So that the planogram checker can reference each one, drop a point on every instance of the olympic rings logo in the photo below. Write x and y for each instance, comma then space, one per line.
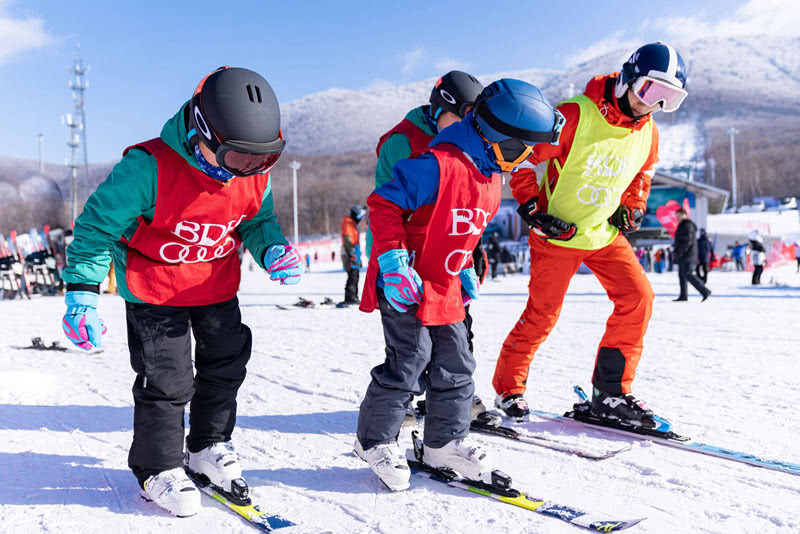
464, 259
597, 196
180, 253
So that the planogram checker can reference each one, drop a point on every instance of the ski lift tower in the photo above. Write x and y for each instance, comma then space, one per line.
78, 85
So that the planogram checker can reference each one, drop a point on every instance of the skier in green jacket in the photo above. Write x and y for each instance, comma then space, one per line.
173, 213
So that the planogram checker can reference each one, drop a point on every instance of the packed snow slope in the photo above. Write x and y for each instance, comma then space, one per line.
725, 371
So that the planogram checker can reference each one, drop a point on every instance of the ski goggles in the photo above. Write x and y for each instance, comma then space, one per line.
241, 158
652, 91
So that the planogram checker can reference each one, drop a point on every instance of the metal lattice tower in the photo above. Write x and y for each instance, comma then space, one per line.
78, 85
75, 126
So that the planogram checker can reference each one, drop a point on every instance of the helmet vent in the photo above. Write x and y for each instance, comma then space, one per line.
255, 96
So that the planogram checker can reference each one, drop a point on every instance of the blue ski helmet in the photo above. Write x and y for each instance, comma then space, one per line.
358, 212
512, 116
656, 60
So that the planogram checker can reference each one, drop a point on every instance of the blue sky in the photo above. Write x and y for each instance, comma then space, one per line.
147, 56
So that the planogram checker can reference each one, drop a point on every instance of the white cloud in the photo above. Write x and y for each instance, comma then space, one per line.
446, 64
18, 35
379, 83
412, 60
420, 61
615, 41
755, 17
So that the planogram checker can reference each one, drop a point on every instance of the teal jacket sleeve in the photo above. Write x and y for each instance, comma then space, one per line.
394, 149
263, 230
128, 192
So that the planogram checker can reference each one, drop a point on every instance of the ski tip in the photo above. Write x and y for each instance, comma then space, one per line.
614, 526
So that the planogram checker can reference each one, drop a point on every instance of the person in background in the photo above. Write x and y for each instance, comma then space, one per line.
686, 256
658, 258
494, 253
703, 256
758, 256
797, 255
351, 253
737, 254
308, 262
182, 203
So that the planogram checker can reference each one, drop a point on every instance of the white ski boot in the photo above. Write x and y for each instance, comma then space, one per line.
219, 463
462, 456
173, 491
388, 462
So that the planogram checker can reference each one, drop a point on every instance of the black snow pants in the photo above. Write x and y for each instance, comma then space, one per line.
159, 340
757, 271
431, 359
351, 286
686, 274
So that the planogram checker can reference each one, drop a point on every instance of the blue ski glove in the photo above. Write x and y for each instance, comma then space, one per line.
81, 324
469, 285
402, 286
283, 263
356, 257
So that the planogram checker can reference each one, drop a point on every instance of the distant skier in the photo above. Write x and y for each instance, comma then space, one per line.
758, 256
686, 256
425, 221
797, 254
737, 253
704, 251
183, 202
351, 252
494, 253
595, 189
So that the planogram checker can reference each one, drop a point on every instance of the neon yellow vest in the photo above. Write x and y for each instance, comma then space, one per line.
601, 164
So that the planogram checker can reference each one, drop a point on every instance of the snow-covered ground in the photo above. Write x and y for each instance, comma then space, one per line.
726, 371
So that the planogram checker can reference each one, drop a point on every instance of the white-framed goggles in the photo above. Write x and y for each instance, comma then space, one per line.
652, 91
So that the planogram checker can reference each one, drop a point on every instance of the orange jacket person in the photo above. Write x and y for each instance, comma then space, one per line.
595, 187
351, 253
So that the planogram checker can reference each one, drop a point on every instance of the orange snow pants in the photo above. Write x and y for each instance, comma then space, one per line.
627, 286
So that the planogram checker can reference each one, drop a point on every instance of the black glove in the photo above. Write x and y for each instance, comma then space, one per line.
627, 219
546, 225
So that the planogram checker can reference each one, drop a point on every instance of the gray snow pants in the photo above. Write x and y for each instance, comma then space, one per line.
419, 358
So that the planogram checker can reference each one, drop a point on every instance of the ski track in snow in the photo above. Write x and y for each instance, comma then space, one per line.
725, 371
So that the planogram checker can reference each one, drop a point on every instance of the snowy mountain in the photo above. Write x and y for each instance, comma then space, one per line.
726, 75
749, 82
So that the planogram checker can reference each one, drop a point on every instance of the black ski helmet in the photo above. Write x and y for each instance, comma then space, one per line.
235, 110
455, 92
